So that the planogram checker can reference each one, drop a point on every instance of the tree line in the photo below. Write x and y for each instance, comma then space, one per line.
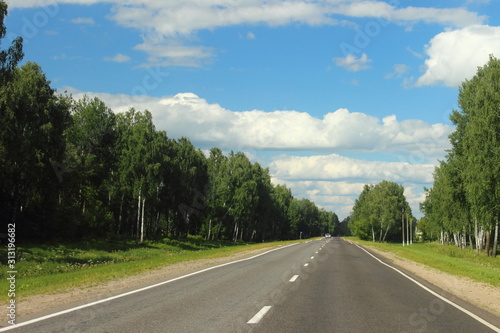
463, 205
381, 213
73, 168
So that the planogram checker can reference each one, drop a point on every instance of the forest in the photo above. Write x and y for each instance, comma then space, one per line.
463, 205
73, 169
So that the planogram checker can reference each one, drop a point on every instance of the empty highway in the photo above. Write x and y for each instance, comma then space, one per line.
327, 285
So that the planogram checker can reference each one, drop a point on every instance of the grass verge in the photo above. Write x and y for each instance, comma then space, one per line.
49, 269
446, 258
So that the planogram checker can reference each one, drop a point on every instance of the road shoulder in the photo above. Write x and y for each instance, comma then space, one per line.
479, 294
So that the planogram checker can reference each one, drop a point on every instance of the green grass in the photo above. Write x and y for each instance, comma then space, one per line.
49, 269
446, 258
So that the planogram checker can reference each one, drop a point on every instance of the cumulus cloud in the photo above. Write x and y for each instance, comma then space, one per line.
351, 63
334, 167
186, 114
454, 56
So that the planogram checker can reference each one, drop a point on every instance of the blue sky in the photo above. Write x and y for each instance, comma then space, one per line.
329, 94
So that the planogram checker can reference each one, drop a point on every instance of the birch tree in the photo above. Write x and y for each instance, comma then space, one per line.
479, 100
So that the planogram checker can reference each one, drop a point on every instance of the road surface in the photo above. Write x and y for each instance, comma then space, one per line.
328, 285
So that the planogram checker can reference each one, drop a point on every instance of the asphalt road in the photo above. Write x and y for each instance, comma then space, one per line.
328, 285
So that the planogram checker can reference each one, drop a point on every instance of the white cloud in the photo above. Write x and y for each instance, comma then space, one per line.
171, 52
83, 20
457, 17
118, 58
455, 55
162, 23
334, 167
174, 17
351, 63
186, 114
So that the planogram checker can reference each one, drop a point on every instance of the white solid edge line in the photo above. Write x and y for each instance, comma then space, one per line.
294, 278
479, 319
258, 317
7, 328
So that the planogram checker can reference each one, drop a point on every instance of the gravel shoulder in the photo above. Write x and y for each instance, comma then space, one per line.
484, 296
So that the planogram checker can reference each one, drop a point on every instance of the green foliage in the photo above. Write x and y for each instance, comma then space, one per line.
32, 122
377, 213
13, 55
465, 198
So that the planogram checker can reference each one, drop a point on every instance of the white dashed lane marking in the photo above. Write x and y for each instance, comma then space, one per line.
258, 317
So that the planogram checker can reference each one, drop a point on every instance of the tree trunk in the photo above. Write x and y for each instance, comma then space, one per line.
138, 227
120, 216
403, 226
495, 241
253, 235
479, 238
235, 232
142, 220
407, 230
373, 234
488, 240
209, 229
456, 239
411, 233
386, 231
218, 229
476, 234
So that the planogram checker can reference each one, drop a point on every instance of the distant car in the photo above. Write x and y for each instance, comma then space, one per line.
327, 235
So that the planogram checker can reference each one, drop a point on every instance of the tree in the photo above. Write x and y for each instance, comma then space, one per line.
91, 157
140, 151
361, 221
189, 181
14, 54
282, 198
377, 212
467, 185
32, 121
479, 101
